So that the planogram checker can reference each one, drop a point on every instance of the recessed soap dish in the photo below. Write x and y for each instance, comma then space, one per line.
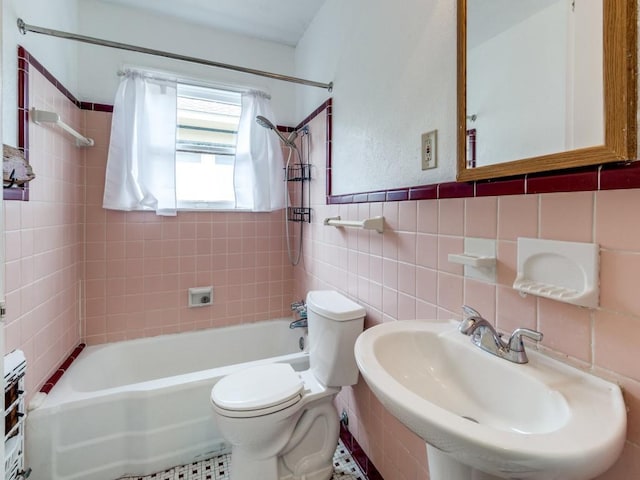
563, 271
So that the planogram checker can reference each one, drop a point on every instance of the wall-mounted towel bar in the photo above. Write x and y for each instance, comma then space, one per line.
42, 116
375, 223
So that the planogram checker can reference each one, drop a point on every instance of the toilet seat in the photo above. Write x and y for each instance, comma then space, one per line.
257, 391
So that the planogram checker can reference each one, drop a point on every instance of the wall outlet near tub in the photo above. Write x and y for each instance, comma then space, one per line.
428, 152
200, 296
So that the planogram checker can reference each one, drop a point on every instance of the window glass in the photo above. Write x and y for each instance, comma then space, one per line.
205, 147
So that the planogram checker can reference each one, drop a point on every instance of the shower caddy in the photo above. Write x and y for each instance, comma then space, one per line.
300, 172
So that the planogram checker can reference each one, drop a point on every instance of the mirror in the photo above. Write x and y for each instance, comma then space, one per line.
528, 101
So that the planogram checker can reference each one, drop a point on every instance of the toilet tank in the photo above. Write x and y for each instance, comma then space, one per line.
334, 324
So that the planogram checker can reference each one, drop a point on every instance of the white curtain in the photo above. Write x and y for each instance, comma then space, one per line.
258, 174
140, 171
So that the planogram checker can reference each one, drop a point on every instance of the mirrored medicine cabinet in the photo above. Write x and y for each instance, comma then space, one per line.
545, 85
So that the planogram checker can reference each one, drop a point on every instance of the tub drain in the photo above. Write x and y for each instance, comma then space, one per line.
471, 419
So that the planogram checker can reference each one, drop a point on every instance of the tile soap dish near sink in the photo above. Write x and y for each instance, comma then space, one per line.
563, 271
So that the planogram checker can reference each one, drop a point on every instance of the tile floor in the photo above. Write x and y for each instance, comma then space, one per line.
217, 468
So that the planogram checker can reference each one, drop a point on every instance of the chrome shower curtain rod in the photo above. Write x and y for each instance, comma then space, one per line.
24, 28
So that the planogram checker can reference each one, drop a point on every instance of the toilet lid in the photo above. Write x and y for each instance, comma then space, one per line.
258, 388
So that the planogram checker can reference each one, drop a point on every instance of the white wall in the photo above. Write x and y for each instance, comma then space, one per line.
99, 65
394, 69
57, 55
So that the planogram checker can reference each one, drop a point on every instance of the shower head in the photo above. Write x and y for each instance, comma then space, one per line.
266, 123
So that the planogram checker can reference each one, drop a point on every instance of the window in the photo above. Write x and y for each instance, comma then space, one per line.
207, 128
173, 147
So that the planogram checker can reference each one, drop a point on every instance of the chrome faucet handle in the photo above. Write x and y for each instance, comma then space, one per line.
471, 317
470, 312
515, 341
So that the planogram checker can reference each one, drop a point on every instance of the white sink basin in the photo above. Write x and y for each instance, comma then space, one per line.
540, 420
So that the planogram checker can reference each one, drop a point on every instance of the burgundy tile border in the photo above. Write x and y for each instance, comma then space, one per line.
96, 107
620, 176
377, 196
499, 187
578, 180
53, 379
426, 192
360, 457
609, 176
456, 190
337, 199
361, 198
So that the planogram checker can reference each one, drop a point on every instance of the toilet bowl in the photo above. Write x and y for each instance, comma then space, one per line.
282, 424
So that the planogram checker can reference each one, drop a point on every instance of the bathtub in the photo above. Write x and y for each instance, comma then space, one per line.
141, 406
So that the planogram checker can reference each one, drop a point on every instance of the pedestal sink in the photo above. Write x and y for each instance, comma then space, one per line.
483, 417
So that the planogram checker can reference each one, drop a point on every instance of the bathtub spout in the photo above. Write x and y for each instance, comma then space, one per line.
302, 323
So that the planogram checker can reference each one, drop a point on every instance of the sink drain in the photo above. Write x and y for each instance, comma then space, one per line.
471, 419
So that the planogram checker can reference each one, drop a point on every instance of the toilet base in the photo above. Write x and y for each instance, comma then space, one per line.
244, 467
309, 453
303, 451
324, 474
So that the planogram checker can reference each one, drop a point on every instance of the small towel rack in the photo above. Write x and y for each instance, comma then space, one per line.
43, 116
375, 223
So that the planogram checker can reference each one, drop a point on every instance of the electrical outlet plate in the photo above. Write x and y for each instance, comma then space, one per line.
429, 150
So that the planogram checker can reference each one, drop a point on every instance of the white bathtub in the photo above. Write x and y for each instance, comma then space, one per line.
140, 406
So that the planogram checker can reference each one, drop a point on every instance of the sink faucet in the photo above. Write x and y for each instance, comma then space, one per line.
488, 339
301, 309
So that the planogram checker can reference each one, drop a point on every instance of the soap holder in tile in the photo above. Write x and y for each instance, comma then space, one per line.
563, 271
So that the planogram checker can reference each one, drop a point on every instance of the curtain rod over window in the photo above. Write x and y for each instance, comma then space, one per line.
24, 28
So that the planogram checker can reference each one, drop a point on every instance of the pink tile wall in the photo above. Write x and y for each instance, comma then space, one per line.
139, 265
133, 270
76, 272
44, 238
404, 273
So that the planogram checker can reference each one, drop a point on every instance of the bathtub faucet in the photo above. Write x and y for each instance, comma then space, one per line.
301, 309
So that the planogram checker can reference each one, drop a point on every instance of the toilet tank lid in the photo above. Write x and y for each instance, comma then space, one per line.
334, 305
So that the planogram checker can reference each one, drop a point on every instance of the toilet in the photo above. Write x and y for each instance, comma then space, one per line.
282, 424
